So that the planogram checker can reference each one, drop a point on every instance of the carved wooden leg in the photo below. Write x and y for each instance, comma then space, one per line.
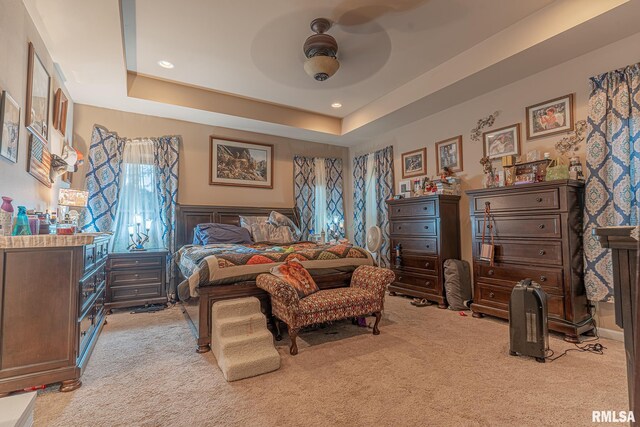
442, 305
391, 293
203, 348
477, 315
293, 334
70, 385
276, 322
572, 338
378, 315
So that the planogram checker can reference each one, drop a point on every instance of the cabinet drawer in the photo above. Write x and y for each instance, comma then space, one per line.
547, 226
542, 252
499, 296
426, 245
549, 278
426, 264
518, 201
89, 286
102, 250
137, 277
414, 228
90, 320
417, 280
127, 293
89, 257
136, 262
426, 208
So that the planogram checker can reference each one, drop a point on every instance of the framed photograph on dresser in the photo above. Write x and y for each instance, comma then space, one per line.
37, 107
449, 154
502, 142
550, 117
414, 163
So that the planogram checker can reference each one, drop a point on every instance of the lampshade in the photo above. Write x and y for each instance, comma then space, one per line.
74, 198
321, 67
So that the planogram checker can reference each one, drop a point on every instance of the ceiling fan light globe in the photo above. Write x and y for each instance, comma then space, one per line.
321, 67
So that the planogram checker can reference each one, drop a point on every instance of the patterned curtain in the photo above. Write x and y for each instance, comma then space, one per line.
103, 180
166, 154
335, 203
359, 204
304, 184
613, 160
384, 191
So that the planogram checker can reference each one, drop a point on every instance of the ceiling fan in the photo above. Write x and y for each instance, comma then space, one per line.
321, 50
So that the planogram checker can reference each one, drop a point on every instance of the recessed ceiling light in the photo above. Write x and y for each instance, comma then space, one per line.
336, 105
165, 64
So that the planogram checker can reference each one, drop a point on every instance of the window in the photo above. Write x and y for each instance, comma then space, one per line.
138, 201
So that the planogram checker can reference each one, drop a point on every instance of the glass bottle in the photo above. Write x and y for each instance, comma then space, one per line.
22, 223
6, 216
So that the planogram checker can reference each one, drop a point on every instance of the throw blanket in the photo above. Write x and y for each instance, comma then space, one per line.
228, 263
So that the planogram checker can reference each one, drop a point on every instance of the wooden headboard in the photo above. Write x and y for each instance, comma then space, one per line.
188, 216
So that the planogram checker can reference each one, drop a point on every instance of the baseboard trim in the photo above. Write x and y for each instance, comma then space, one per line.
611, 334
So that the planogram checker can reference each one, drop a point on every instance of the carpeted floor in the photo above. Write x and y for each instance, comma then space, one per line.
428, 367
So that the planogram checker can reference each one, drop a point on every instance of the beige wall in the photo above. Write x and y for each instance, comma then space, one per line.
194, 185
511, 100
16, 31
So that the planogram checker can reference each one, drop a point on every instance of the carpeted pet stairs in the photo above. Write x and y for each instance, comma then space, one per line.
242, 344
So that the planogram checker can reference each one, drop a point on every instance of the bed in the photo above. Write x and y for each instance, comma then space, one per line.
331, 267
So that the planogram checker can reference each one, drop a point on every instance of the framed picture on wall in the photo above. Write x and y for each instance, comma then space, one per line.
502, 142
240, 163
550, 117
449, 154
37, 106
414, 163
10, 120
60, 106
39, 161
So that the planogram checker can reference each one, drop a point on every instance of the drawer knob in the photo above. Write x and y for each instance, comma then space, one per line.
398, 210
137, 262
426, 227
83, 333
399, 228
491, 295
427, 283
137, 276
428, 246
540, 226
427, 264
541, 252
425, 208
539, 199
543, 278
399, 278
135, 291
490, 272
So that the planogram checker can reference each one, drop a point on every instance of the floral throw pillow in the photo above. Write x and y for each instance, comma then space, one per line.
297, 276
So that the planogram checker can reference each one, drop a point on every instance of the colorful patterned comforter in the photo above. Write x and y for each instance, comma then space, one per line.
227, 263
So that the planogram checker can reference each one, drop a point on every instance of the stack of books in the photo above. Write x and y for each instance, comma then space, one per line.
449, 185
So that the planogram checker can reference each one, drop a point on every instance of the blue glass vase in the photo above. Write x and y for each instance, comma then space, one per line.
22, 223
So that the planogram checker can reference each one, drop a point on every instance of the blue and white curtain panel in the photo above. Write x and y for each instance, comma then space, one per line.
304, 185
359, 200
384, 191
613, 161
103, 180
335, 202
166, 156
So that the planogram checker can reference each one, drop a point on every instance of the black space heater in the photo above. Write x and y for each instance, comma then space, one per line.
528, 321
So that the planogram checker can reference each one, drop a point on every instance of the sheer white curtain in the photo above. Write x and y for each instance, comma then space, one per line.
371, 206
138, 195
320, 195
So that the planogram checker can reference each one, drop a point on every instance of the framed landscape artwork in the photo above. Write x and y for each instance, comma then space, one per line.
10, 120
37, 106
414, 163
240, 164
39, 161
502, 142
449, 154
550, 117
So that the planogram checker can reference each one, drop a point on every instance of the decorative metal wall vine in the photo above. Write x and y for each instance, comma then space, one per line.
476, 133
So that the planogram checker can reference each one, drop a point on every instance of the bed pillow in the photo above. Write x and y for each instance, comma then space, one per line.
267, 232
280, 220
248, 221
293, 273
210, 233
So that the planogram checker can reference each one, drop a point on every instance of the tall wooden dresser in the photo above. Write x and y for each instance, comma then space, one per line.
51, 308
538, 235
426, 232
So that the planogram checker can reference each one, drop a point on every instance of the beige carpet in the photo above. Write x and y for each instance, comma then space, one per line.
428, 367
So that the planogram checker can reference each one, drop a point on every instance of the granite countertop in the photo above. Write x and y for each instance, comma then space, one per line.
49, 240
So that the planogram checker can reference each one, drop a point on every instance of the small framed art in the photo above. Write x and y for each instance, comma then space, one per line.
37, 107
449, 154
60, 106
10, 119
414, 163
502, 142
240, 164
39, 161
550, 117
404, 188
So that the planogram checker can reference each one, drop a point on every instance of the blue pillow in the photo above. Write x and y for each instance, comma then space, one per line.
207, 234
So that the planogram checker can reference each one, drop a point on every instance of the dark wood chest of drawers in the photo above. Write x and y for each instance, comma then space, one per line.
136, 278
51, 313
426, 230
538, 235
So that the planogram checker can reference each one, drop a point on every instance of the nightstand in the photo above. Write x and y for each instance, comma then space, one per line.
136, 278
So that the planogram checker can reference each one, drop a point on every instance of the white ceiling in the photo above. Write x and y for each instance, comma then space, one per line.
400, 60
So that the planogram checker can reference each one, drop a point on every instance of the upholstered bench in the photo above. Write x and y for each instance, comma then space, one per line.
365, 295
